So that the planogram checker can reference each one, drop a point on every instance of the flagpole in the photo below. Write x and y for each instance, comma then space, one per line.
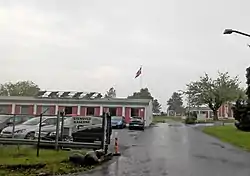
141, 78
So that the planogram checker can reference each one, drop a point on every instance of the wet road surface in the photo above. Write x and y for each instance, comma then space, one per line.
175, 150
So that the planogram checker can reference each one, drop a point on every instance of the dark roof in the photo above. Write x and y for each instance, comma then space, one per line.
24, 99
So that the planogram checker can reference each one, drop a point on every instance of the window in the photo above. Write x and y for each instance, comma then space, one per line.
68, 110
24, 109
51, 121
4, 109
90, 111
45, 109
112, 111
134, 112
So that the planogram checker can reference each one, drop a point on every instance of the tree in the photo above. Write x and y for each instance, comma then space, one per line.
111, 93
214, 92
156, 106
145, 94
21, 88
175, 103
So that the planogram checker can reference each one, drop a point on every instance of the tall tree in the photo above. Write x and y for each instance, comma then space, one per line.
145, 94
21, 88
214, 92
111, 93
175, 103
156, 106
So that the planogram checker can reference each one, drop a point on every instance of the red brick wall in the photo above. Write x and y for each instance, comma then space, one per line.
52, 110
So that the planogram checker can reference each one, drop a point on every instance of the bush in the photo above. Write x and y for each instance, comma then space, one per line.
191, 119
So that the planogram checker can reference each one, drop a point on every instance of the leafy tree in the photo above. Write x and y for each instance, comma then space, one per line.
145, 94
111, 93
156, 106
214, 92
21, 88
175, 103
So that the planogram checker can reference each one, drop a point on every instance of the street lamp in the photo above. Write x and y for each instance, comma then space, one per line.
230, 31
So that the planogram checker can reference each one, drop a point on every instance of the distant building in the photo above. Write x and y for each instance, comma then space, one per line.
224, 111
72, 104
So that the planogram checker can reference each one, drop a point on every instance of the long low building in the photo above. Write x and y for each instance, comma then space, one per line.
84, 107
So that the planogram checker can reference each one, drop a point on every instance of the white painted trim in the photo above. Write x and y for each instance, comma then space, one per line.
101, 110
13, 108
123, 111
56, 109
78, 110
35, 109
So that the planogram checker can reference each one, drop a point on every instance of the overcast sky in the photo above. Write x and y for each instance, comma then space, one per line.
96, 44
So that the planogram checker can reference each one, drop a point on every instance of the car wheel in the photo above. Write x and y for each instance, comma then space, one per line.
30, 136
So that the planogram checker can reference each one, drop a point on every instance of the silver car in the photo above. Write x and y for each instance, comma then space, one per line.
28, 129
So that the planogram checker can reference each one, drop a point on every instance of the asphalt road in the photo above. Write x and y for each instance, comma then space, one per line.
174, 150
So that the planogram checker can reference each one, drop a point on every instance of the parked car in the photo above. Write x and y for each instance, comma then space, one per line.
27, 129
49, 132
136, 123
8, 120
118, 122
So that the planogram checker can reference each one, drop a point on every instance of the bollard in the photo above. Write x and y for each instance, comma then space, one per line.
117, 153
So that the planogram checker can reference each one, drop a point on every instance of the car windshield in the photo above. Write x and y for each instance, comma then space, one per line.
4, 118
33, 121
116, 118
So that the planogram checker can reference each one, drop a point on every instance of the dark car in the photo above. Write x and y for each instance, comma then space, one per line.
136, 123
118, 122
88, 134
8, 120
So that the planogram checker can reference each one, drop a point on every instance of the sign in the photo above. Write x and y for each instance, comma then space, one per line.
82, 120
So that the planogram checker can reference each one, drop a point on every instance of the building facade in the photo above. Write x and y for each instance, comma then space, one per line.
225, 111
83, 107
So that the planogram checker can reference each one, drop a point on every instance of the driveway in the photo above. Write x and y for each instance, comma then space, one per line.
174, 150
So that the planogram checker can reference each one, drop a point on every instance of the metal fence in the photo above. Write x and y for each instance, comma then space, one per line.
105, 133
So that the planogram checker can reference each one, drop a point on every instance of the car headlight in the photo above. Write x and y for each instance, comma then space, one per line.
20, 131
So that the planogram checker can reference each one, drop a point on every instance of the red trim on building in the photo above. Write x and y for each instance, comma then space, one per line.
83, 111
74, 109
17, 109
142, 112
127, 114
97, 111
52, 110
119, 111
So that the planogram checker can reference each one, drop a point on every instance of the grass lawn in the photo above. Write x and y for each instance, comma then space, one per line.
55, 161
211, 120
163, 119
230, 134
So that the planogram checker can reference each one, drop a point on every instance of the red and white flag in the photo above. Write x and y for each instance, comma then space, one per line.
138, 73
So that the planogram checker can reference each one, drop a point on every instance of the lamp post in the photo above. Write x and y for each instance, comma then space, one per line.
230, 31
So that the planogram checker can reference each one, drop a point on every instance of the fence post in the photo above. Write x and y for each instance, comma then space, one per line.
39, 136
13, 127
104, 122
62, 124
57, 130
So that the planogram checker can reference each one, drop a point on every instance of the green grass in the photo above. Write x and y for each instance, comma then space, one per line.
163, 119
56, 161
230, 134
222, 120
